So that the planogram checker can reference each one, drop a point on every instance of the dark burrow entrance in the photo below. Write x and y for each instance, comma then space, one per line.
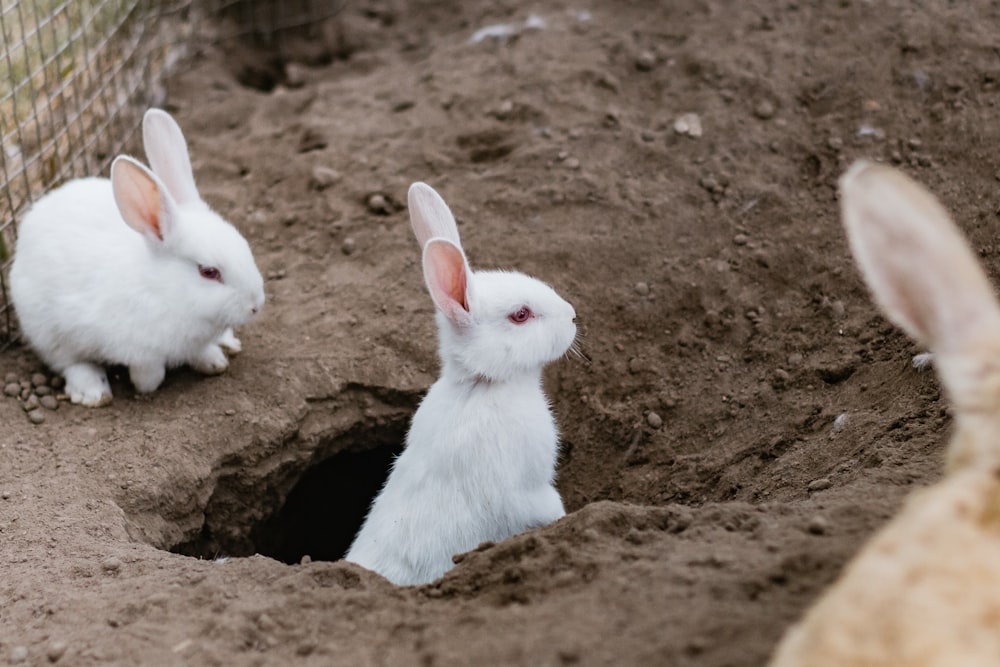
301, 510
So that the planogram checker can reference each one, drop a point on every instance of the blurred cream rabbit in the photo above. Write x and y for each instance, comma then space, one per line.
926, 589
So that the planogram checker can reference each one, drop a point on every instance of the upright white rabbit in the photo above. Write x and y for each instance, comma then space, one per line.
163, 291
480, 457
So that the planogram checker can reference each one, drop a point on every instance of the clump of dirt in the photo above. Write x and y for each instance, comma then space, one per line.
746, 420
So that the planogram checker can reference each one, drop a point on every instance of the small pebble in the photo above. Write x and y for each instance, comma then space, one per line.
819, 484
645, 61
347, 247
36, 416
642, 289
31, 403
573, 163
818, 525
654, 420
5, 495
43, 390
741, 239
38, 379
323, 177
12, 389
295, 75
49, 402
10, 377
18, 655
689, 124
56, 651
764, 110
378, 204
111, 564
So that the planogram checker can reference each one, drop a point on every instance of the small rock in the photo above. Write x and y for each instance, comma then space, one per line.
347, 247
323, 177
645, 61
378, 204
836, 143
49, 402
5, 495
10, 377
572, 163
36, 416
741, 239
818, 525
230, 412
111, 564
56, 651
12, 389
31, 403
839, 423
305, 560
259, 217
654, 420
39, 379
914, 143
642, 289
295, 75
764, 110
18, 655
688, 124
43, 390
819, 484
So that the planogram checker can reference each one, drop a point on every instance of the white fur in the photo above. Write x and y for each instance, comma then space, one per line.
480, 457
89, 290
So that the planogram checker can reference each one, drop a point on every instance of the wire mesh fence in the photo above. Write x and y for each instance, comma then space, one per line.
77, 75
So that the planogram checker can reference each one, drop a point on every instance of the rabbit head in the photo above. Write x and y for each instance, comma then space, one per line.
201, 252
493, 325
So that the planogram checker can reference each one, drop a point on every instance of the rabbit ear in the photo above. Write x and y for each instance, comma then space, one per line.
916, 262
142, 200
447, 275
430, 217
167, 153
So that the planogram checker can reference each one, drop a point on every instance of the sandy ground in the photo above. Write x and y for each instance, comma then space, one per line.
747, 418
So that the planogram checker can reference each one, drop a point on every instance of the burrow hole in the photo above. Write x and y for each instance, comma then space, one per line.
304, 508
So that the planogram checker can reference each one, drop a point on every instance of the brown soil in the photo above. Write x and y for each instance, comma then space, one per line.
792, 424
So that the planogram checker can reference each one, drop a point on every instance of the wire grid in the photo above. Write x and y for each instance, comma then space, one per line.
76, 77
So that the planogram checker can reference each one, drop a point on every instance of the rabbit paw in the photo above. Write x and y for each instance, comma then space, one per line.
87, 384
146, 378
229, 342
211, 361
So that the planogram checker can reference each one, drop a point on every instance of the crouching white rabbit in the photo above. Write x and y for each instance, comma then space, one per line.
136, 270
480, 457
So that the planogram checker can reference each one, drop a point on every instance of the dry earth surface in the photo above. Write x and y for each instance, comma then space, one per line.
746, 421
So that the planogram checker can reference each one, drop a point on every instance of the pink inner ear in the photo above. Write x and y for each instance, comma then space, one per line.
138, 199
447, 278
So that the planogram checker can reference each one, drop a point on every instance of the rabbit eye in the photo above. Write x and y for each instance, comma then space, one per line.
210, 273
520, 316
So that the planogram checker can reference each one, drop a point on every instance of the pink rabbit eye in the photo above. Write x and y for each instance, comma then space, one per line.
210, 273
520, 316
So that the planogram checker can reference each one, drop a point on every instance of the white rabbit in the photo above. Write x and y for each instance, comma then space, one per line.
135, 270
480, 456
925, 591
